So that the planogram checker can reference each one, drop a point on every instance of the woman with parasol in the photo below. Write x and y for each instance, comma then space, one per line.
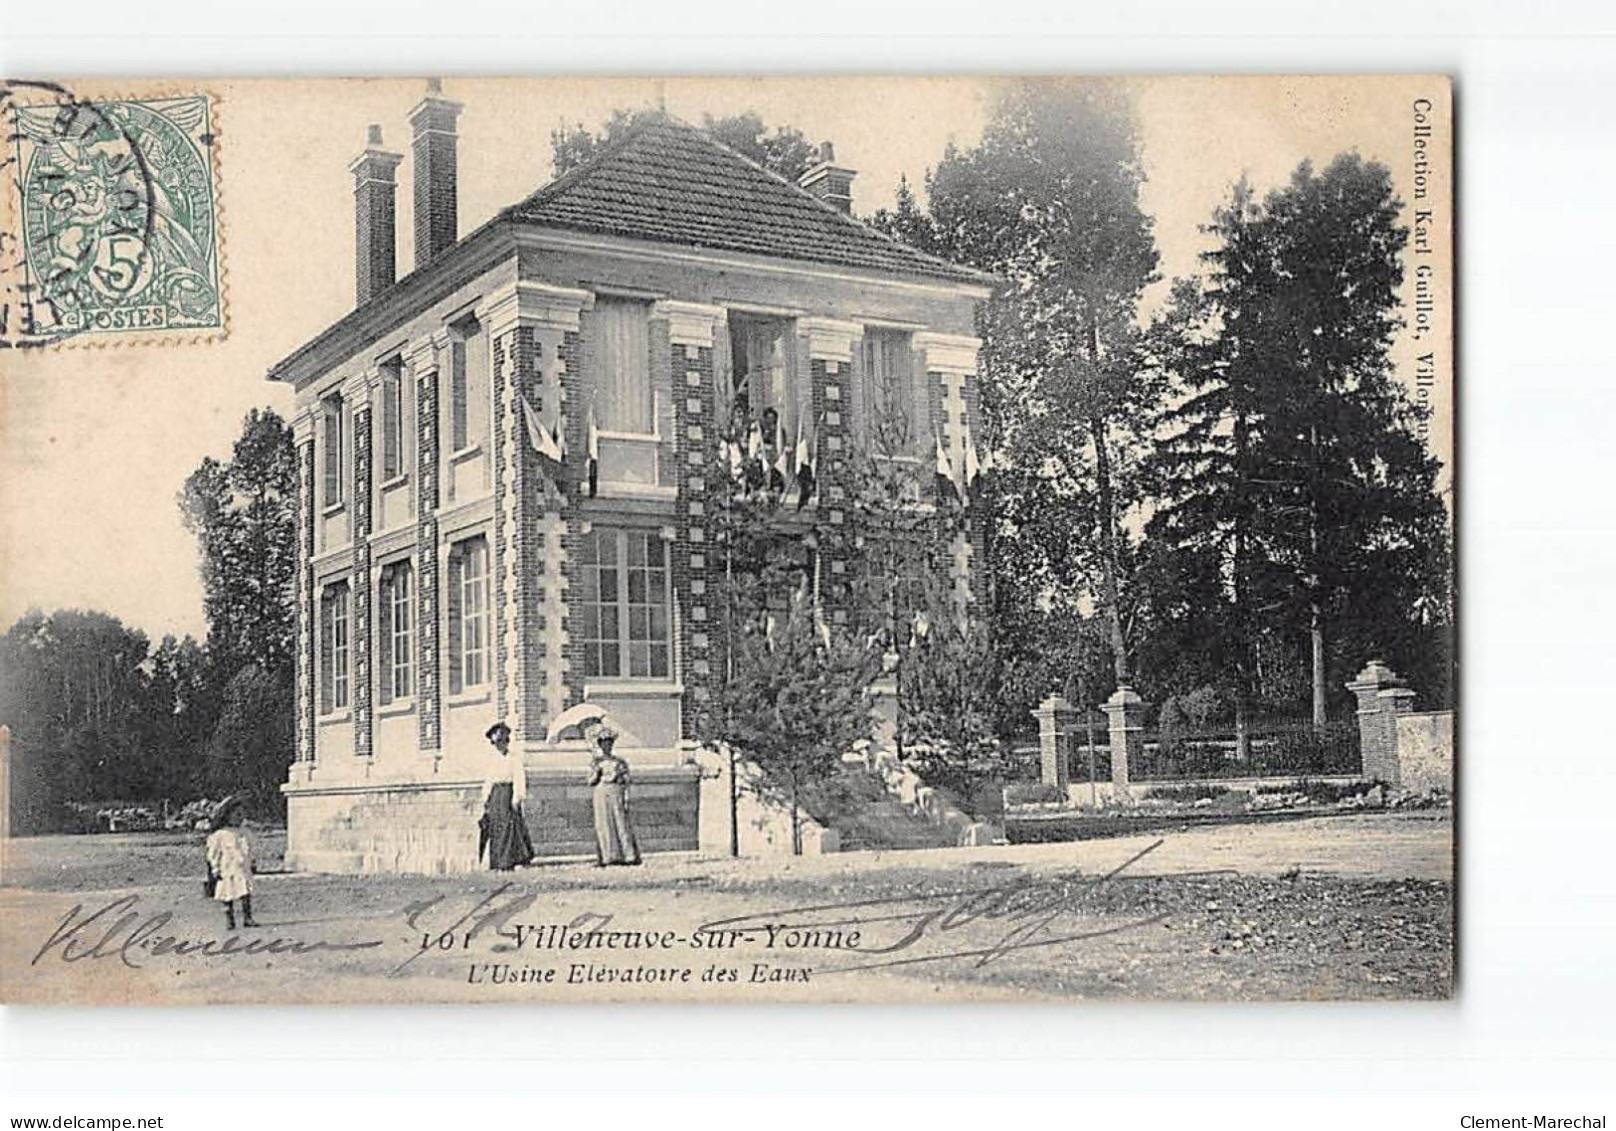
608, 773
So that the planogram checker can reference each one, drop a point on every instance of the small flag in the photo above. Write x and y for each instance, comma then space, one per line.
945, 473
538, 435
593, 454
732, 452
781, 472
920, 628
973, 466
805, 463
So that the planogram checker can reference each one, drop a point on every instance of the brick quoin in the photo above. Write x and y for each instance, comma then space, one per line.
307, 621
576, 355
694, 431
830, 395
429, 688
363, 717
505, 401
976, 517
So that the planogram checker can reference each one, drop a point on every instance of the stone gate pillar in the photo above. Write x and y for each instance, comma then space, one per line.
1382, 697
1125, 712
1055, 721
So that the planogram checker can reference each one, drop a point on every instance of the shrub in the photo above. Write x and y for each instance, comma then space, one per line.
1031, 793
1186, 793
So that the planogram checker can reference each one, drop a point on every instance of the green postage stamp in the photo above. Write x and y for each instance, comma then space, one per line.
116, 233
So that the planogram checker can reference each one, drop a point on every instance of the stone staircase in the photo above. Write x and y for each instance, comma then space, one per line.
869, 819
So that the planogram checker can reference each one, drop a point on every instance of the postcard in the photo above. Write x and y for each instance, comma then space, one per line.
791, 539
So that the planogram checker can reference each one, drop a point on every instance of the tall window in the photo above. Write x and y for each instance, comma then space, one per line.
468, 385
392, 420
626, 622
398, 632
334, 640
331, 426
469, 615
889, 392
623, 351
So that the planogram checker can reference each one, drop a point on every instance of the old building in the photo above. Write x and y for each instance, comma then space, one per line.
452, 572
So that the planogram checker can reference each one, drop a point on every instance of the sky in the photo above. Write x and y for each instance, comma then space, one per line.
97, 442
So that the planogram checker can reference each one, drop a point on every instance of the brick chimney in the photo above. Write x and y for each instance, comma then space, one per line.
375, 218
829, 181
436, 203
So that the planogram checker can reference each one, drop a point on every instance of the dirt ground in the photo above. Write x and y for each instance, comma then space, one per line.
1346, 907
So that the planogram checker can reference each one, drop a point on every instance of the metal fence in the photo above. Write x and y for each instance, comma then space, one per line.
1272, 747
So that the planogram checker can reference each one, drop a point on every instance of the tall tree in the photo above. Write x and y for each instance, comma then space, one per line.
792, 692
95, 714
244, 515
1292, 479
782, 149
1049, 201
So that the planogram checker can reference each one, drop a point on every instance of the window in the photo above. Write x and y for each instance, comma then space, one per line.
760, 373
398, 632
469, 615
889, 392
392, 438
468, 385
626, 622
623, 350
331, 426
334, 682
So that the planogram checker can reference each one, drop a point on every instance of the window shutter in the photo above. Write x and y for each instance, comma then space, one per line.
456, 624
333, 451
457, 394
476, 392
623, 347
392, 430
327, 631
384, 650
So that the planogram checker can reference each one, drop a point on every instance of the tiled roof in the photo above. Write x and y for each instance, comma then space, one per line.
672, 183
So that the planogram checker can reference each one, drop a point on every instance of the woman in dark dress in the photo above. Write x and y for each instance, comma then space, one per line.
502, 831
614, 835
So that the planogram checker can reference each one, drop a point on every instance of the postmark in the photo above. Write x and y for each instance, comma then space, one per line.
114, 233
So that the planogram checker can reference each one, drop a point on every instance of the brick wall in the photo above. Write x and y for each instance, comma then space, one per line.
375, 224
435, 174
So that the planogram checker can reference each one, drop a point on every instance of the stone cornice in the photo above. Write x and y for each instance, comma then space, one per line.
529, 302
377, 161
689, 323
356, 389
425, 354
948, 353
830, 339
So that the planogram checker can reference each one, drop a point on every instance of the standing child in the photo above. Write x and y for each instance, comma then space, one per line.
230, 863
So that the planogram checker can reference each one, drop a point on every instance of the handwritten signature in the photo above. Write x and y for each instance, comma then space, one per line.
1032, 910
119, 931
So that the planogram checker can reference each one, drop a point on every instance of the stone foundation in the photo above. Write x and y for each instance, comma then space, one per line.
663, 806
431, 828
424, 828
